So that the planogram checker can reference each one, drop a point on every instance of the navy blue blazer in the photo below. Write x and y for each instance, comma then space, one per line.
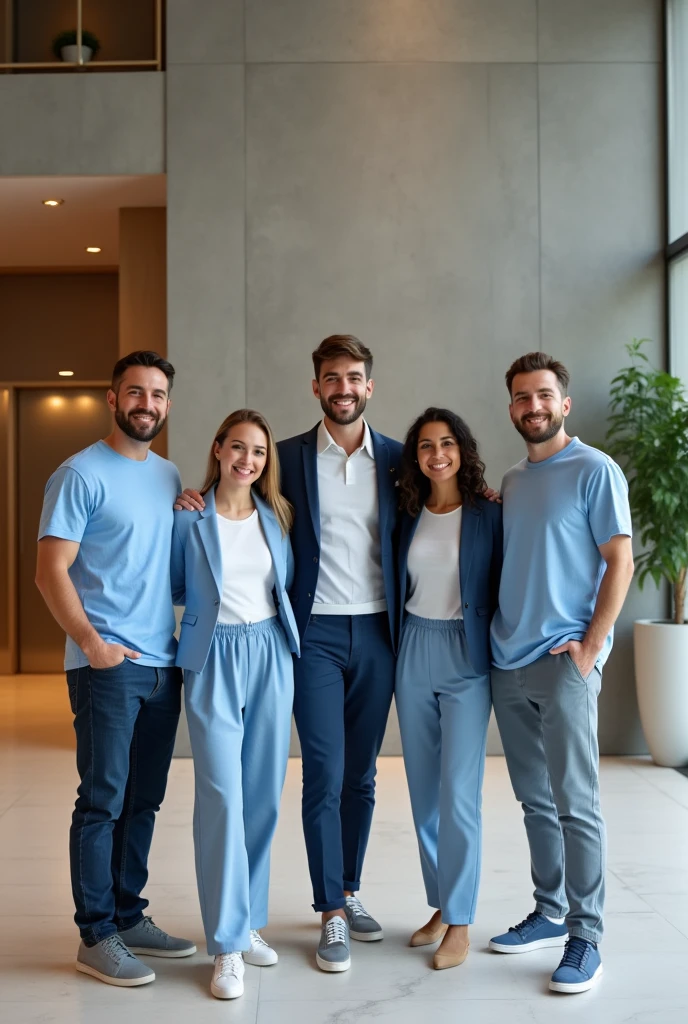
480, 567
299, 472
196, 570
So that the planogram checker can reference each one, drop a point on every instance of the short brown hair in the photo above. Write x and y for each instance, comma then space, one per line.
533, 361
151, 360
342, 345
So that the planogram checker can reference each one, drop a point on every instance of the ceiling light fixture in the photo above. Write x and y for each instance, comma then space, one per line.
53, 202
93, 248
65, 373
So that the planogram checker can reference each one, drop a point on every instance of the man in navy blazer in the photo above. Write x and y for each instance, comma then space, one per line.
340, 477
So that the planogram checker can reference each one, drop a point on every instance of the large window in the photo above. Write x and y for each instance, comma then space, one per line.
677, 127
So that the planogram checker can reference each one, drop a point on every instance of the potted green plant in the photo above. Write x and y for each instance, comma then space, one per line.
65, 46
648, 434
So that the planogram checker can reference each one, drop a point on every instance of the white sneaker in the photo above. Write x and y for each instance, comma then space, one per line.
260, 954
228, 976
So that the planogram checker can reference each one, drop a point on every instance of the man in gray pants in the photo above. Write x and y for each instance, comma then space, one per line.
568, 564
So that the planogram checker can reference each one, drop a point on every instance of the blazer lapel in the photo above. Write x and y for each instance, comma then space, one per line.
309, 452
470, 520
210, 538
385, 480
409, 525
273, 537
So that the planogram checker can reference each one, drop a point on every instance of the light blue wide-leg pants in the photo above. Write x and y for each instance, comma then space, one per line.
444, 709
239, 714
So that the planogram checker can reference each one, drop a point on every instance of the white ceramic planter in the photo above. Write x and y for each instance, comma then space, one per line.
71, 54
661, 676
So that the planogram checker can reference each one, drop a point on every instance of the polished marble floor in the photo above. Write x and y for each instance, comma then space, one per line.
645, 951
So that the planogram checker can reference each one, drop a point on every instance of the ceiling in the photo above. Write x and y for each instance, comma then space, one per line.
33, 235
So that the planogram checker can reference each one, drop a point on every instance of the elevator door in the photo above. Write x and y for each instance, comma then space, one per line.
52, 424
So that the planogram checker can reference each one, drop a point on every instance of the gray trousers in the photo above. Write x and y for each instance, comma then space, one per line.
547, 718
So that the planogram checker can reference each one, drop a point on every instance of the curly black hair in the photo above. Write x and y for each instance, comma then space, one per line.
414, 486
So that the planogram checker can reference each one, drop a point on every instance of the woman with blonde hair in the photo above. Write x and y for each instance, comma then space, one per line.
231, 569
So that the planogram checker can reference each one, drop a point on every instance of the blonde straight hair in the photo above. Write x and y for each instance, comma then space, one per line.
269, 481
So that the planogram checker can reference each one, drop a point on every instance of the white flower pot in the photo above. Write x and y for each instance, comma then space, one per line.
661, 676
70, 54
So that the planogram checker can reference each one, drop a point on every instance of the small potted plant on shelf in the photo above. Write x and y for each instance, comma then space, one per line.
648, 434
65, 46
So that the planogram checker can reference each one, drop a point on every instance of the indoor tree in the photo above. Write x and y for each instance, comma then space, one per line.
648, 434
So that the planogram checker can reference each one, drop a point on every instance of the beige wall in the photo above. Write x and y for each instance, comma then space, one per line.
51, 322
142, 279
143, 286
5, 554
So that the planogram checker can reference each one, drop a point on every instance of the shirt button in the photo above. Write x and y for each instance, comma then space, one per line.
216, 603
315, 559
466, 604
310, 595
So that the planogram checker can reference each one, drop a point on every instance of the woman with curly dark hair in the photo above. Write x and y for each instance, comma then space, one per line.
450, 556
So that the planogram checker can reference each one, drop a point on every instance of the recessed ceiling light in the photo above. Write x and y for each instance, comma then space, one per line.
53, 202
65, 373
93, 248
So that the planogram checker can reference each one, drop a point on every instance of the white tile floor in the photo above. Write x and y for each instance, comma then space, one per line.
645, 950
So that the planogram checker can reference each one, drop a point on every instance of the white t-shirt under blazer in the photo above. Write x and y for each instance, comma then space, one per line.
248, 576
433, 567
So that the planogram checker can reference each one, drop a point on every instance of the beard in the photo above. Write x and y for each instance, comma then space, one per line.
343, 416
139, 431
540, 434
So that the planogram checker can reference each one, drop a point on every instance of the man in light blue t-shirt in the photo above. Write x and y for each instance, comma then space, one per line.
104, 571
567, 567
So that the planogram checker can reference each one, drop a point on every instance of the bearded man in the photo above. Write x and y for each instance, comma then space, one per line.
567, 567
340, 477
104, 572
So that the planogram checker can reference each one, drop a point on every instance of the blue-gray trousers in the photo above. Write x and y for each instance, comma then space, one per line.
444, 709
547, 717
239, 714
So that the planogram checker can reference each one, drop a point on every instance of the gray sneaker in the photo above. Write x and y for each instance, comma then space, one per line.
110, 961
361, 925
333, 951
146, 937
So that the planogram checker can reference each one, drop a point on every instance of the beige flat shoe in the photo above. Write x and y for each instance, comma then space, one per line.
441, 961
426, 937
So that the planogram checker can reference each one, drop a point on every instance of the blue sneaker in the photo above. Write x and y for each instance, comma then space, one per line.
535, 932
580, 967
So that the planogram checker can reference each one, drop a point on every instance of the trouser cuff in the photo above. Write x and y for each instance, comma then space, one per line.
322, 908
91, 938
583, 933
550, 911
351, 886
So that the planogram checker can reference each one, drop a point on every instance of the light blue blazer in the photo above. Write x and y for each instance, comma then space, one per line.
196, 571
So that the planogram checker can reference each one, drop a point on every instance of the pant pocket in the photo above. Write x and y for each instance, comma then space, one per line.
594, 677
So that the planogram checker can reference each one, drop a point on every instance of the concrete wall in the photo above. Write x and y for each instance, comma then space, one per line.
63, 124
455, 181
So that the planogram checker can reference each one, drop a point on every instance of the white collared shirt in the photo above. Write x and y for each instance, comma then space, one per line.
350, 580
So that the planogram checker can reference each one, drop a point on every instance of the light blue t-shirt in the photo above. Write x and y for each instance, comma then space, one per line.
120, 512
556, 515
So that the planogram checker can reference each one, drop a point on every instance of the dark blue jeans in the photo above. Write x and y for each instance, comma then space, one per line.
343, 685
125, 719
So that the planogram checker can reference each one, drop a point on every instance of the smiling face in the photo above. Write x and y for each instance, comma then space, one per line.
141, 402
242, 455
538, 408
343, 389
438, 452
